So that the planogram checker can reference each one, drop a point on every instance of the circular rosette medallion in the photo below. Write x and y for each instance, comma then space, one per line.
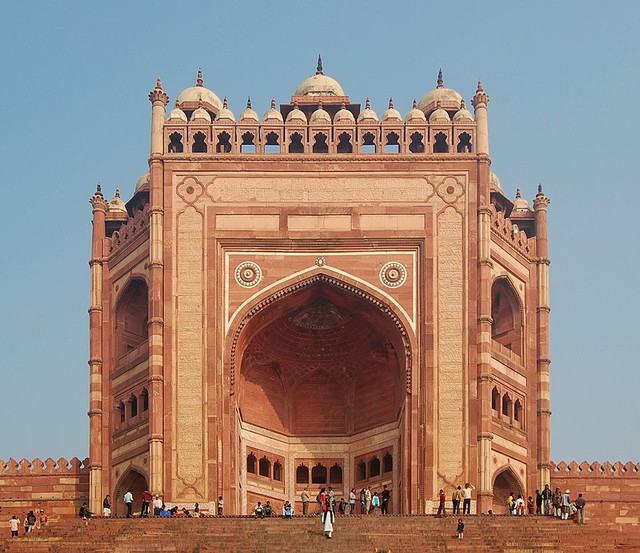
248, 274
393, 274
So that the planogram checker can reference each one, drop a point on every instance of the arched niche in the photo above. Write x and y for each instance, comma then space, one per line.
505, 482
135, 481
506, 313
132, 317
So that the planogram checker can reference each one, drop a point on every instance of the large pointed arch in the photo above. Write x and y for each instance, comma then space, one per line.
507, 314
505, 481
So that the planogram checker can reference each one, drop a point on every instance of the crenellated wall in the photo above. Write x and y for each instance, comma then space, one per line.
612, 491
59, 487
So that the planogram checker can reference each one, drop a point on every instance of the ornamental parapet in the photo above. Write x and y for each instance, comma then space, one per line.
596, 469
508, 230
48, 466
134, 226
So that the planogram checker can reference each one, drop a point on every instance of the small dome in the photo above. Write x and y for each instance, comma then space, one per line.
177, 114
296, 115
225, 114
248, 115
463, 114
320, 116
344, 116
143, 182
116, 205
447, 97
199, 93
272, 115
520, 204
415, 115
319, 85
201, 114
391, 114
367, 114
494, 182
439, 115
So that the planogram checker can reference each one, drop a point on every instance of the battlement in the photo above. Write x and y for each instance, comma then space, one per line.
596, 469
48, 466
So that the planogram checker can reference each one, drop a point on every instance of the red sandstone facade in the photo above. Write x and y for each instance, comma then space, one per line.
319, 297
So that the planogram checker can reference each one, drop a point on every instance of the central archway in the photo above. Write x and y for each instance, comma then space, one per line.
322, 376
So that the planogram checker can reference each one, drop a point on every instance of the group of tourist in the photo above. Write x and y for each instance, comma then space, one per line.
370, 502
31, 521
459, 495
149, 502
557, 504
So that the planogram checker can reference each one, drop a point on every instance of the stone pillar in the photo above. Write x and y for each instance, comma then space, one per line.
95, 353
485, 435
542, 313
156, 294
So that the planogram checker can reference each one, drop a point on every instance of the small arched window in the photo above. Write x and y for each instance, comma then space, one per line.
145, 400
295, 143
133, 406
265, 467
320, 145
251, 463
440, 146
361, 471
277, 471
368, 143
517, 411
335, 474
464, 143
416, 145
495, 399
224, 143
272, 143
199, 143
393, 145
248, 145
175, 144
319, 474
506, 405
344, 143
302, 474
374, 467
387, 463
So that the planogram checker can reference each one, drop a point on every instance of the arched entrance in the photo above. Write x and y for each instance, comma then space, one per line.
137, 483
505, 482
321, 394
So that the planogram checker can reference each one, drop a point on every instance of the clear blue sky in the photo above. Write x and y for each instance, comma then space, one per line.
563, 79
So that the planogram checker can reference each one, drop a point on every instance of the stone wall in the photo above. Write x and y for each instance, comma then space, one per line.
59, 487
612, 491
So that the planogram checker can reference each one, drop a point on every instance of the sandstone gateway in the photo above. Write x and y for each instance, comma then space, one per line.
318, 296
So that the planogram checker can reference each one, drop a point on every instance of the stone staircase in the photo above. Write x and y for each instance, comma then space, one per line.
356, 534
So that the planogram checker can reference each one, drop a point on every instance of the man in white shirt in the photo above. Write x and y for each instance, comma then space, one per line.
14, 522
128, 501
466, 504
157, 506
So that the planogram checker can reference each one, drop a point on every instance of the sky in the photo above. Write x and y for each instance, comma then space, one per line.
563, 78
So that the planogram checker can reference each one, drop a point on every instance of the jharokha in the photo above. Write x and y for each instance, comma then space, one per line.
321, 296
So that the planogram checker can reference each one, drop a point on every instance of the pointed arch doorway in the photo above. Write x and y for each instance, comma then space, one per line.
322, 378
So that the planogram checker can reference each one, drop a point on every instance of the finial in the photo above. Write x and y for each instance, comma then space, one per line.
518, 193
415, 104
117, 191
438, 104
343, 105
440, 81
480, 89
320, 104
224, 103
391, 103
199, 82
367, 104
319, 69
295, 104
99, 188
273, 103
199, 103
158, 84
462, 104
248, 102
540, 192
176, 103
